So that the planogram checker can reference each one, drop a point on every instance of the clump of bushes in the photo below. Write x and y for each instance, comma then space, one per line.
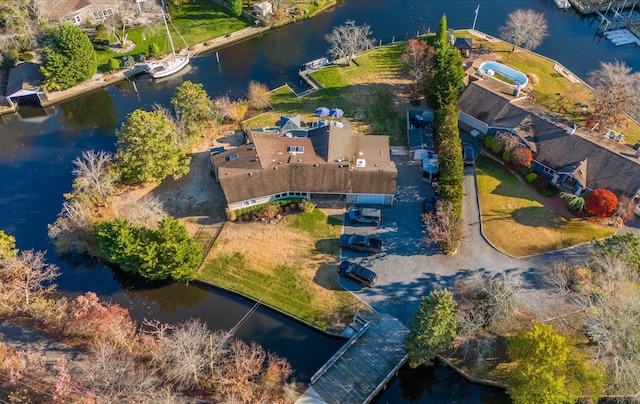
26, 57
265, 210
541, 182
154, 50
521, 156
306, 205
127, 61
113, 64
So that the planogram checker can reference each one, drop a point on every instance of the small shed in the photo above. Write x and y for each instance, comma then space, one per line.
263, 9
465, 46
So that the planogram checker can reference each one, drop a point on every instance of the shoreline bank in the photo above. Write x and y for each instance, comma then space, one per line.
102, 80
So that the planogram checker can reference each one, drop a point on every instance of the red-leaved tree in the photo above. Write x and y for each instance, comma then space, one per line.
602, 203
521, 156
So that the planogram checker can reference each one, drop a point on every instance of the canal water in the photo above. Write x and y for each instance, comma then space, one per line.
37, 147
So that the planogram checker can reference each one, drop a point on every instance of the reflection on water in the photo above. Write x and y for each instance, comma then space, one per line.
95, 110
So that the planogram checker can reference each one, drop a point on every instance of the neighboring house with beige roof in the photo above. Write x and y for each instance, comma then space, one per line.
79, 11
575, 159
323, 162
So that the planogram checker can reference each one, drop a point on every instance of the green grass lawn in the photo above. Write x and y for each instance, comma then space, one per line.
368, 89
290, 266
518, 224
197, 23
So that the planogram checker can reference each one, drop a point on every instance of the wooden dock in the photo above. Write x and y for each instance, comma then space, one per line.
593, 6
363, 366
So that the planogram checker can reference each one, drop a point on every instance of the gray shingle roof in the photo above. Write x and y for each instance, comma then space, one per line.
611, 165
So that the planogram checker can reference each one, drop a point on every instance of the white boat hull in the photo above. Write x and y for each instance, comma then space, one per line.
563, 4
167, 67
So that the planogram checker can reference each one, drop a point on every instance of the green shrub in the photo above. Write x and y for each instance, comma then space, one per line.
101, 34
497, 146
231, 214
154, 50
114, 64
127, 61
573, 202
9, 59
487, 141
526, 170
506, 156
550, 191
101, 45
141, 57
26, 57
530, 177
306, 205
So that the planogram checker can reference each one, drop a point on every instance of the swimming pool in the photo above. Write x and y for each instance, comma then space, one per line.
504, 74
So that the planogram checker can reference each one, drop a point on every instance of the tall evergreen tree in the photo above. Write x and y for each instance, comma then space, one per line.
149, 149
69, 60
432, 328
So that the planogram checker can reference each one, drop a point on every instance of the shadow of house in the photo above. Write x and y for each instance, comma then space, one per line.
324, 161
25, 83
575, 159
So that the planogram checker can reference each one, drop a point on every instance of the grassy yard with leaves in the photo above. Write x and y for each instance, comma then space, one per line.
290, 266
370, 94
197, 22
518, 224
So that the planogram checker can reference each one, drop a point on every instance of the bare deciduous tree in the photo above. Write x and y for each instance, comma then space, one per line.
508, 139
94, 181
72, 231
112, 375
242, 365
237, 110
183, 354
614, 93
258, 95
525, 28
120, 23
626, 209
30, 275
443, 227
147, 211
348, 39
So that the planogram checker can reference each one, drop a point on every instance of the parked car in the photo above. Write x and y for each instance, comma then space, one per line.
360, 242
365, 215
468, 152
429, 204
358, 273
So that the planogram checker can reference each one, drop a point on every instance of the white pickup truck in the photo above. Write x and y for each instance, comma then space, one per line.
365, 215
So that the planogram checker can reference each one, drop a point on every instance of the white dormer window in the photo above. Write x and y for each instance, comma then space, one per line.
295, 149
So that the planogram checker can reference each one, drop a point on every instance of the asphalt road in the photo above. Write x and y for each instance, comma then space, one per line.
408, 268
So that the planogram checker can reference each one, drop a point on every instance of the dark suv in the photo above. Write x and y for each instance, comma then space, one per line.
365, 276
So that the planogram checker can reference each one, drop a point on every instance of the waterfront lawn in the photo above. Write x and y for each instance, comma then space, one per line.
515, 222
368, 93
197, 23
290, 266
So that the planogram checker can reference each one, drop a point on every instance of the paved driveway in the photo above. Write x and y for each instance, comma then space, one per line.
409, 269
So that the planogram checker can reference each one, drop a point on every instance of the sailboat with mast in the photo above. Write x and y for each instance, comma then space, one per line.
171, 64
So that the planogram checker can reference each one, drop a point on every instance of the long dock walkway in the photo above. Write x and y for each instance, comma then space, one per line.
363, 366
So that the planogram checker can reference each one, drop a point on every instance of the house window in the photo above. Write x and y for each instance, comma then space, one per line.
231, 157
548, 170
77, 20
101, 15
295, 149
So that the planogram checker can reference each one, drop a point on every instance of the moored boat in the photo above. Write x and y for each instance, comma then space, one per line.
171, 64
563, 4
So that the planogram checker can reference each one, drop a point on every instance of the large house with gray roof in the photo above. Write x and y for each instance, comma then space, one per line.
575, 159
325, 161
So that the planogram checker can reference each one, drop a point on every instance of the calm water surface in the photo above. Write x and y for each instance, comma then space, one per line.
37, 147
